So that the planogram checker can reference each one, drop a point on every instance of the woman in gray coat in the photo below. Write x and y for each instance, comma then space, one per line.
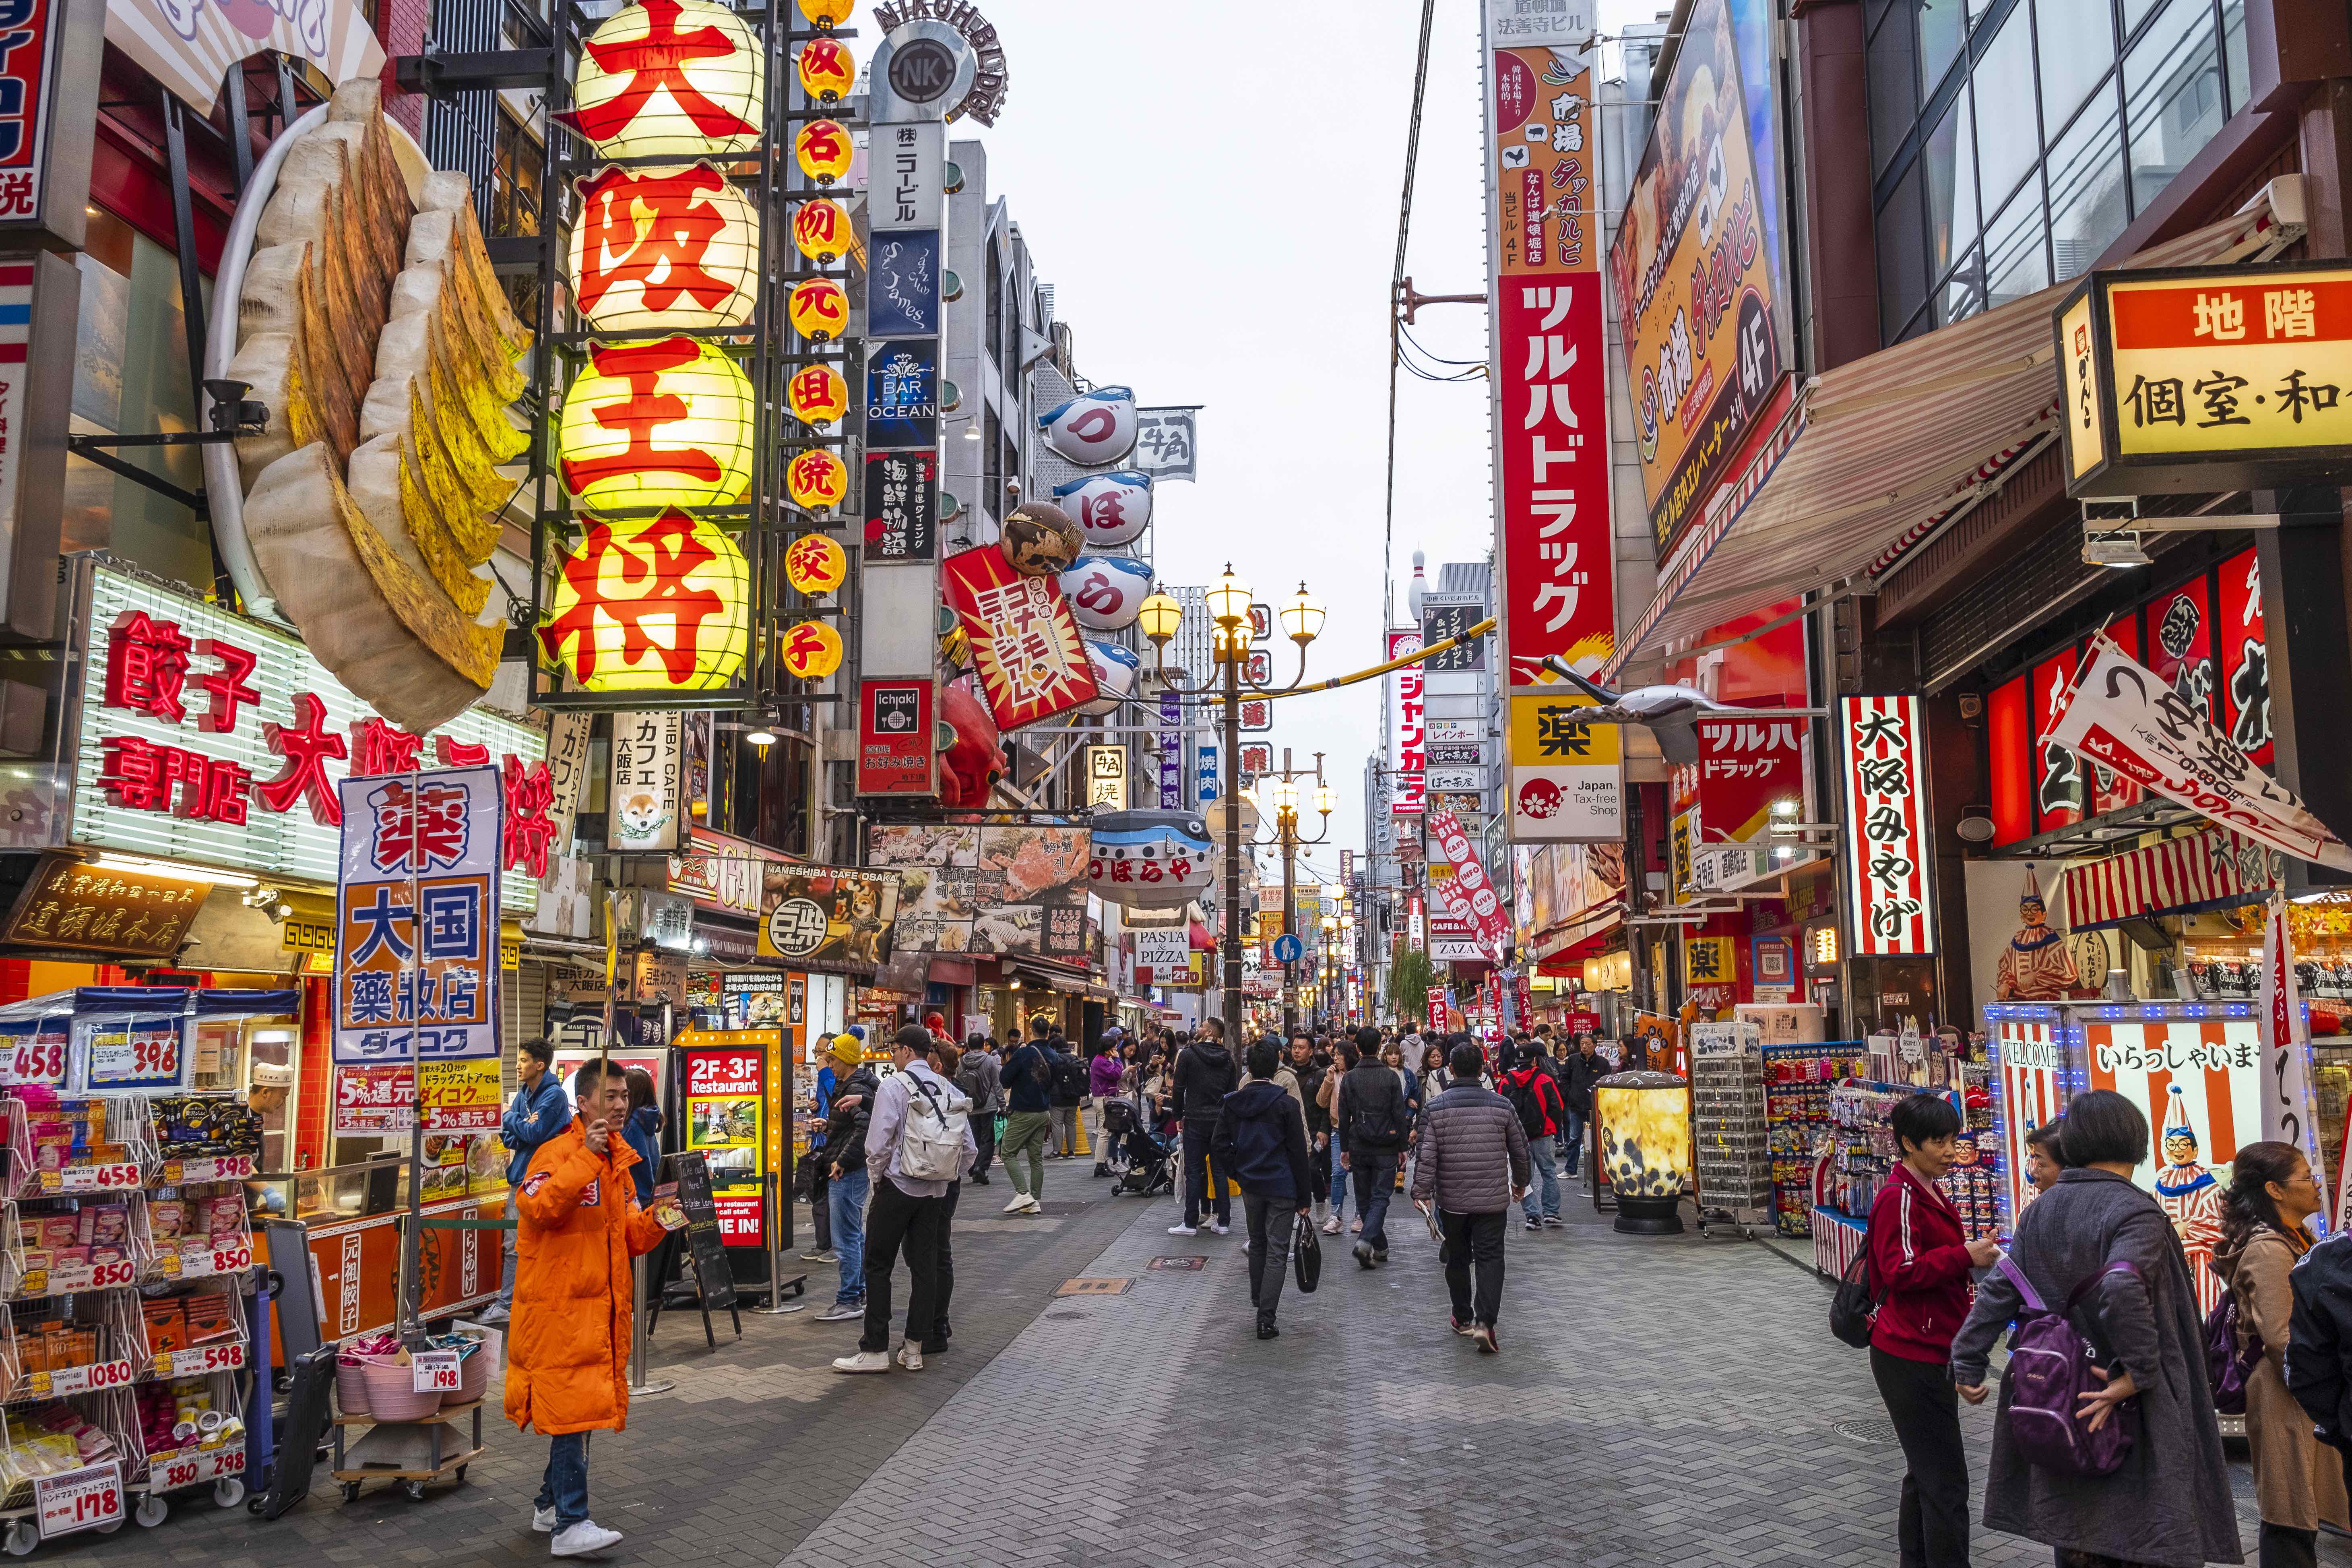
2168, 1505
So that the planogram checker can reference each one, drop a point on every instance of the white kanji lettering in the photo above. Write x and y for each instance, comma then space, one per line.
1566, 597
1558, 505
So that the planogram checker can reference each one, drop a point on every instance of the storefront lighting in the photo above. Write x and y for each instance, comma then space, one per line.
665, 248
761, 736
658, 605
1323, 798
1302, 617
140, 865
1014, 984
1229, 601
664, 423
707, 45
2120, 551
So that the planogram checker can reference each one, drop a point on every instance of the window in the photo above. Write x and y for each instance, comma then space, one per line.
2075, 40
993, 490
2172, 94
995, 303
2233, 50
1902, 254
1963, 294
514, 195
1943, 28
2007, 136
2014, 263
1951, 156
1894, 87
2086, 190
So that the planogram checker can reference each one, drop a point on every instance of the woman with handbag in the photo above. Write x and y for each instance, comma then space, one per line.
2272, 1193
1919, 1261
2097, 1241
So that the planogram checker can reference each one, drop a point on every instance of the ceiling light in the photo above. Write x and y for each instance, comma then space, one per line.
146, 868
2120, 551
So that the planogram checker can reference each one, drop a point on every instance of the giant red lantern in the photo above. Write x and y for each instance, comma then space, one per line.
665, 248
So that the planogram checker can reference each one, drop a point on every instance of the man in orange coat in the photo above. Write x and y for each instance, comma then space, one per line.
578, 1225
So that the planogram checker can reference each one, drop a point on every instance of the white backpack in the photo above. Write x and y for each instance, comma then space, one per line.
932, 1138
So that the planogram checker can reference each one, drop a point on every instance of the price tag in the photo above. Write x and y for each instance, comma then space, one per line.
188, 1363
179, 1470
210, 1168
229, 1259
146, 1055
228, 1461
79, 1499
92, 1178
85, 1379
38, 1058
168, 1264
433, 1372
35, 1284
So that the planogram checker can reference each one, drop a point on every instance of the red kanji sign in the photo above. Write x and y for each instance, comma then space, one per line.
660, 59
530, 830
655, 230
306, 745
641, 366
226, 685
379, 748
420, 829
147, 666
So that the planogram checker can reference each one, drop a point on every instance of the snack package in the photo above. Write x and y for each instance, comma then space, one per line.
165, 1219
167, 1324
209, 1318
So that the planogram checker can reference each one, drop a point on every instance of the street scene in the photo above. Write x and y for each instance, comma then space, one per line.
821, 784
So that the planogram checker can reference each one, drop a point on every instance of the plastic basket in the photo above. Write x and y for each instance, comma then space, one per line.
351, 1385
390, 1397
473, 1379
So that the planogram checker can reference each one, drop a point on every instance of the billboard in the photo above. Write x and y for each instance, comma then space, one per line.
1406, 718
1697, 266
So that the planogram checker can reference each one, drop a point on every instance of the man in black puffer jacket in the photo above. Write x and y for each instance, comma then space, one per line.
1371, 1126
1310, 1071
1261, 1139
1203, 1076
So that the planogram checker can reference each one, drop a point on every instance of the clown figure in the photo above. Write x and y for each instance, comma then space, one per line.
2035, 966
2191, 1199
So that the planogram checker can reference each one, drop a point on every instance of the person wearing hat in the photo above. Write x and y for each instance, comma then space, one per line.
846, 1183
2035, 966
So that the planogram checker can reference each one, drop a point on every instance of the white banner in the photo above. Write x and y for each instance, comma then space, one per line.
2290, 1109
1168, 443
2126, 718
1164, 953
189, 45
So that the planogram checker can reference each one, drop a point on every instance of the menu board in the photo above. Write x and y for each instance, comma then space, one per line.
713, 1280
726, 1096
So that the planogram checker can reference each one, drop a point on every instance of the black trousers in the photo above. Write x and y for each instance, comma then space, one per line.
2284, 1546
937, 1338
1932, 1523
1271, 1225
1473, 1246
983, 1136
820, 1211
895, 1218
1199, 1172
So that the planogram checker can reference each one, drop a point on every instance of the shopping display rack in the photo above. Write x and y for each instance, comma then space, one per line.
1730, 1145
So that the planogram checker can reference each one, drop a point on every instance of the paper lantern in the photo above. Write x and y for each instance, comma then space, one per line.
823, 151
1116, 669
1645, 1144
821, 230
827, 70
1039, 539
819, 309
670, 78
826, 14
1092, 428
816, 479
815, 564
1107, 592
810, 651
1149, 859
1110, 509
665, 248
817, 394
660, 605
662, 423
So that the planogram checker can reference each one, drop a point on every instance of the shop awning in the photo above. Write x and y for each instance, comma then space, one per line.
155, 1002
1875, 457
2214, 870
1585, 932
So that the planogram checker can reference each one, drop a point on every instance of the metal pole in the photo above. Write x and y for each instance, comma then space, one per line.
777, 1306
640, 1336
1233, 943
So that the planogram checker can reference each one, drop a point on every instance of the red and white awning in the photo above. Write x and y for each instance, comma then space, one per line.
2212, 869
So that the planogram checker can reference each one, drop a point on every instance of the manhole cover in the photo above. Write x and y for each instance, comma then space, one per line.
1097, 1286
1865, 1431
1052, 1207
1181, 1265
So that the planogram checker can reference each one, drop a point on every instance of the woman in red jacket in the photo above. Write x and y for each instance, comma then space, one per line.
1920, 1264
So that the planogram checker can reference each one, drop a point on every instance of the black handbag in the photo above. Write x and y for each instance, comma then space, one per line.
1308, 1256
1853, 1308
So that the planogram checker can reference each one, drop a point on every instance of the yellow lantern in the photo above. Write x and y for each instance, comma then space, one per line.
816, 479
817, 394
665, 248
823, 150
1645, 1146
821, 229
815, 565
662, 423
827, 70
670, 77
819, 309
826, 14
655, 604
810, 651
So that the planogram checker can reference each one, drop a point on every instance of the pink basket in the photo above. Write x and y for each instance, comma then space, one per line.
473, 1379
390, 1397
350, 1386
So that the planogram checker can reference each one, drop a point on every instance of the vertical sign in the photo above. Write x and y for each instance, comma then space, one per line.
647, 785
1551, 419
2290, 1111
1406, 761
1566, 778
895, 754
1171, 752
1889, 859
567, 769
1443, 618
1106, 777
1204, 773
1167, 443
902, 512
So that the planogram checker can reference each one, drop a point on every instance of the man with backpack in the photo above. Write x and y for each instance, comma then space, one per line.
1261, 1139
1534, 1098
977, 1073
918, 1143
1068, 1092
1028, 1080
1371, 1121
1203, 1076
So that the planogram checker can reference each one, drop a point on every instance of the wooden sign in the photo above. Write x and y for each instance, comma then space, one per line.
71, 903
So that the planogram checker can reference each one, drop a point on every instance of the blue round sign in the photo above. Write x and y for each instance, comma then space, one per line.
1288, 948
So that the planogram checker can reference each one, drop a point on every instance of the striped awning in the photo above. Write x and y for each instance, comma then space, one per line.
1874, 458
2212, 870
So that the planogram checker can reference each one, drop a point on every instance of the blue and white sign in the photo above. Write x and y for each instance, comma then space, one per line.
902, 287
902, 393
1204, 773
1111, 509
1093, 429
1107, 592
1288, 949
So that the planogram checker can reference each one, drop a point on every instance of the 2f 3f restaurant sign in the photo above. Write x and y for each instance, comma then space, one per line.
1889, 857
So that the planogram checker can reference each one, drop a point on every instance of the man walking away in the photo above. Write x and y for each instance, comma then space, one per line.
1534, 1100
1102, 1088
1066, 1095
976, 1074
1473, 1162
1261, 1139
1202, 1078
539, 1112
1310, 1073
914, 1111
1371, 1121
846, 1184
1028, 1081
820, 1169
1583, 1067
568, 1360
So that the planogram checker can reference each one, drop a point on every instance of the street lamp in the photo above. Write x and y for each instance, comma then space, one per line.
1302, 617
1283, 791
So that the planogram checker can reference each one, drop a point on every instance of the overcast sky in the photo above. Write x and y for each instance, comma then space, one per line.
1212, 188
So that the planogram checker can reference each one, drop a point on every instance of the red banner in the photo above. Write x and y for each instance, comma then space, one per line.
1025, 641
1470, 891
1889, 857
1408, 726
1744, 765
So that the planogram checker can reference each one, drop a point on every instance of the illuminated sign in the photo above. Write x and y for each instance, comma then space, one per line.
665, 248
1106, 777
671, 78
661, 605
1890, 860
660, 422
1406, 721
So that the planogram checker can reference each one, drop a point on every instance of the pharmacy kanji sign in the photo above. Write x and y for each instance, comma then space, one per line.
2205, 379
416, 912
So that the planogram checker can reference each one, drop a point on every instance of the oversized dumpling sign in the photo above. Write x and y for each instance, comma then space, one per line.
1107, 592
1111, 509
1116, 670
1149, 859
1094, 429
1040, 540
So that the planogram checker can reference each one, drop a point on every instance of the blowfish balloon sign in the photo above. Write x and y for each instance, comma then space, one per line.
1116, 669
1094, 429
1469, 890
1107, 592
1149, 859
1111, 507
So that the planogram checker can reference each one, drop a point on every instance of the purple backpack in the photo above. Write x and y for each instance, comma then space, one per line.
2227, 1364
2049, 1374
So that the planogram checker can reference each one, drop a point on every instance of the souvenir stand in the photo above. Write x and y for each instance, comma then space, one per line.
126, 1258
1727, 1125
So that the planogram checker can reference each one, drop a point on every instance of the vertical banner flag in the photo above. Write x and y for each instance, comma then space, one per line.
1407, 761
1470, 891
1171, 752
1889, 860
1552, 540
2290, 1109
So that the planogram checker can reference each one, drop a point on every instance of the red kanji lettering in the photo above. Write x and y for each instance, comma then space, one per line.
421, 829
227, 685
458, 754
147, 666
219, 795
658, 577
134, 775
530, 796
655, 61
306, 745
378, 748
650, 223
641, 365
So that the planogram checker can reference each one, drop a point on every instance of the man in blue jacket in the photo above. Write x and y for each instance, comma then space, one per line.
539, 1112
1261, 1139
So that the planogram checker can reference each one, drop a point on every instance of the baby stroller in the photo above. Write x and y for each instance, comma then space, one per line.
1140, 1159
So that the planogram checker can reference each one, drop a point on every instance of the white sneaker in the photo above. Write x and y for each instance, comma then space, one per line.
584, 1539
1218, 1229
911, 1356
1031, 1206
494, 1313
1020, 1201
542, 1520
864, 1361
1183, 1230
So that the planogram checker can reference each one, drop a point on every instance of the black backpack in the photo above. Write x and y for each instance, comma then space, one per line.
1527, 1099
1377, 1125
1069, 1076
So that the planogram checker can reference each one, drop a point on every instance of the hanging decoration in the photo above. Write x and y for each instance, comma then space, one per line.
826, 14
665, 248
660, 422
654, 605
816, 479
819, 309
823, 151
810, 651
1111, 507
1107, 592
1094, 429
821, 230
1116, 668
817, 394
815, 565
1149, 859
669, 78
1039, 539
827, 71
1025, 648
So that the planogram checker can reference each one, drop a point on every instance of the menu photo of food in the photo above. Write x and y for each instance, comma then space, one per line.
987, 890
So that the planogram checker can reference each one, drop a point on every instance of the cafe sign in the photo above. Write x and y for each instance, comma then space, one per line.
2205, 379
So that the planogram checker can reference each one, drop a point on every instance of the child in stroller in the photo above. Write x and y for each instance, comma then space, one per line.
1140, 1159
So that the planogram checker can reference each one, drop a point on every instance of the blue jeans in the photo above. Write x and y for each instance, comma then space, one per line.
505, 1298
1545, 1181
1375, 1174
564, 1488
1339, 1182
846, 1197
1571, 1144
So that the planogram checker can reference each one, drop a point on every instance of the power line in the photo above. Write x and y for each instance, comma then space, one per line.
1396, 281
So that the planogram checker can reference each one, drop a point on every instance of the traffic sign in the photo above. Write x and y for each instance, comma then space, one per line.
1288, 948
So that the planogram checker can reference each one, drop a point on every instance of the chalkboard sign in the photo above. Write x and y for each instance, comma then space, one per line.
713, 1280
